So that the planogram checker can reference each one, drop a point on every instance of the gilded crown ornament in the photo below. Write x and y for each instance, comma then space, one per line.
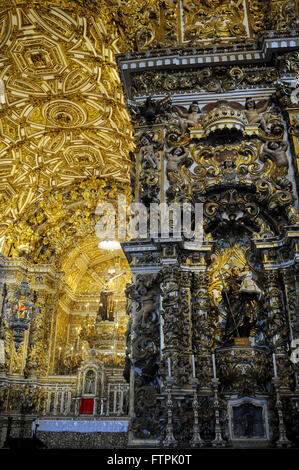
224, 116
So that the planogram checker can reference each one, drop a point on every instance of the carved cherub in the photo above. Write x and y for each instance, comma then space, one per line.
188, 118
256, 115
146, 295
175, 156
147, 154
276, 151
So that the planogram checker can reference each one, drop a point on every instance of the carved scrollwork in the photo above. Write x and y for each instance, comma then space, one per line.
142, 425
233, 159
210, 79
245, 370
283, 15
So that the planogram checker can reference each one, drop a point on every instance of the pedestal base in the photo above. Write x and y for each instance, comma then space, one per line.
241, 342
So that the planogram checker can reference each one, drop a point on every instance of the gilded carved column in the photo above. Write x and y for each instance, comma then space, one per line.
274, 309
290, 276
185, 302
295, 320
202, 320
185, 308
202, 328
201, 336
143, 348
278, 330
176, 334
172, 323
38, 344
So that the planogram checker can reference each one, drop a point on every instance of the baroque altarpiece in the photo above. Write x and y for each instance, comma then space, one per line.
191, 104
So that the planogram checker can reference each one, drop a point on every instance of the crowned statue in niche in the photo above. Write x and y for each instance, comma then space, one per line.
241, 297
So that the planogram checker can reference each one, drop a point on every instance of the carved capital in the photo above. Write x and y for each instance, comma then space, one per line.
271, 278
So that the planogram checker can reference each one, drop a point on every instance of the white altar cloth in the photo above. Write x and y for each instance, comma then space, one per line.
73, 425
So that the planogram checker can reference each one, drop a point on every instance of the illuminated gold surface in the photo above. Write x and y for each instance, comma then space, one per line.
65, 138
64, 117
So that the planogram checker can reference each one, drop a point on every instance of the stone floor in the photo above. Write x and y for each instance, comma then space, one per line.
77, 440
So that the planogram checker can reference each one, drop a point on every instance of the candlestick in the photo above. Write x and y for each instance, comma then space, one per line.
193, 367
282, 440
274, 365
169, 367
196, 440
218, 441
169, 438
214, 366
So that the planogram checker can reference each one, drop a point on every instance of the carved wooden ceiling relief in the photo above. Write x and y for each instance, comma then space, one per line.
64, 118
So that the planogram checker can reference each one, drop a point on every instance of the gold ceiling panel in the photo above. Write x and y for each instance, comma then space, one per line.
148, 24
214, 19
59, 221
64, 117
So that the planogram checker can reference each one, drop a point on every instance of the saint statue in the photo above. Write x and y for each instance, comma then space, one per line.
147, 153
240, 296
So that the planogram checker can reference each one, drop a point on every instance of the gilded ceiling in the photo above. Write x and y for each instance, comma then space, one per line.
64, 118
65, 133
87, 269
147, 24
